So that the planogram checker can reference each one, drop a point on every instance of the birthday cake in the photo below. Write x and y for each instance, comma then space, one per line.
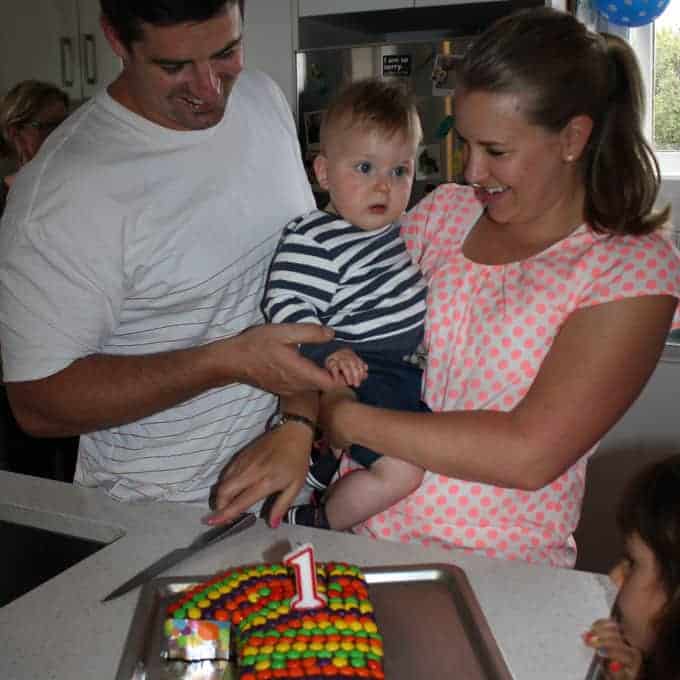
273, 624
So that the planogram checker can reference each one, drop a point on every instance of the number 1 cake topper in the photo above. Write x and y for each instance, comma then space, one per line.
307, 595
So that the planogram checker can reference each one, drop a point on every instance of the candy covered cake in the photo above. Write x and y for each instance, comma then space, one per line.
271, 636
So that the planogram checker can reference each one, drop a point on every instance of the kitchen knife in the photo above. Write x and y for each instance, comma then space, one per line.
242, 522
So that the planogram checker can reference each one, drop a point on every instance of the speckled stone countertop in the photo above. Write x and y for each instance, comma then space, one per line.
62, 630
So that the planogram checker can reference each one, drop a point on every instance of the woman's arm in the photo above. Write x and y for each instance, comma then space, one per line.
275, 463
597, 366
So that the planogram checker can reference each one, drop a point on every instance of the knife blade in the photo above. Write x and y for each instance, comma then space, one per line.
241, 523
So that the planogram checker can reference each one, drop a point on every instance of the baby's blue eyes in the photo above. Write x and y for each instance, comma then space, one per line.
366, 168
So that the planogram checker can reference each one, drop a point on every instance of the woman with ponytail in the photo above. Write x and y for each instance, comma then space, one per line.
552, 288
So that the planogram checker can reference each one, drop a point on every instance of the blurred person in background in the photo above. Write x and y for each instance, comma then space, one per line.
28, 113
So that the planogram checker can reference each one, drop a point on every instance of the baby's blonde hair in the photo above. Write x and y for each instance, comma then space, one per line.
372, 104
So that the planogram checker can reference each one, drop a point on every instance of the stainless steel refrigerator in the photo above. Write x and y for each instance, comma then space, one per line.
425, 68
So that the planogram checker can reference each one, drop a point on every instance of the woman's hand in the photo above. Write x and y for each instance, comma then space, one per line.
275, 462
620, 660
332, 409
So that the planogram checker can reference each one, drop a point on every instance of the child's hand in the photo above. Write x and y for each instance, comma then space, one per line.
620, 660
345, 365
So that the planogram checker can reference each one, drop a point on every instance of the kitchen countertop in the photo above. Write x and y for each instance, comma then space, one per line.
62, 630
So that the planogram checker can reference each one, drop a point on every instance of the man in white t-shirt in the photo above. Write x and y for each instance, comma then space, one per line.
133, 255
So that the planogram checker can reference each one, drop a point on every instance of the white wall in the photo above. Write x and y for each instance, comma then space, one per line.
648, 431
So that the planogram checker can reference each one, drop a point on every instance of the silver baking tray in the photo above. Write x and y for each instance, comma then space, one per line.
431, 621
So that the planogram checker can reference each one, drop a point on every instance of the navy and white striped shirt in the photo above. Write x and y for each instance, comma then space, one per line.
361, 283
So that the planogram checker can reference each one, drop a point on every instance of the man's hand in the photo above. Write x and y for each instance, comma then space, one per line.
275, 462
347, 367
267, 357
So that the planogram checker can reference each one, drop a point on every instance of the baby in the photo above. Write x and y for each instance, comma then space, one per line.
347, 267
643, 640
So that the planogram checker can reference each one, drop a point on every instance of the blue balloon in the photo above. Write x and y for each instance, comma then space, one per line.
631, 12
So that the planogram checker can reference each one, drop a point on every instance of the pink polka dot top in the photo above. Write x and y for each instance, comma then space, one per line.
488, 330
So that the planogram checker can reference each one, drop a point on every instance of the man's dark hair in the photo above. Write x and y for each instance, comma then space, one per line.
127, 16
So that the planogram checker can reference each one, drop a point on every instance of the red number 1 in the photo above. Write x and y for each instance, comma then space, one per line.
306, 595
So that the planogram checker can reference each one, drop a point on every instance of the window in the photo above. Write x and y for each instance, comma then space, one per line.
658, 48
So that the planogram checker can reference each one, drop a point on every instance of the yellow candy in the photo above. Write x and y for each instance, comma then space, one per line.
285, 647
370, 627
300, 646
355, 626
249, 651
316, 646
194, 613
362, 647
283, 609
365, 607
339, 661
324, 624
204, 604
262, 665
253, 597
347, 646
335, 606
340, 625
308, 625
259, 620
332, 646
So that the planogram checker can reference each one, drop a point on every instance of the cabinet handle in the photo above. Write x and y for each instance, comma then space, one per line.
67, 63
90, 58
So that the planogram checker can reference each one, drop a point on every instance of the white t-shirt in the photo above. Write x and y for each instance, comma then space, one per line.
124, 237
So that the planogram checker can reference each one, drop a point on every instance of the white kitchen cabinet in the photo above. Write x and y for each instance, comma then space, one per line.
268, 42
59, 41
310, 8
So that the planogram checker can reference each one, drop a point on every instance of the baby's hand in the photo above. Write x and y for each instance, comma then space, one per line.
345, 365
620, 660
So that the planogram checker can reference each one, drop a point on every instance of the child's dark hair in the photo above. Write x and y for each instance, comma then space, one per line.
372, 103
651, 508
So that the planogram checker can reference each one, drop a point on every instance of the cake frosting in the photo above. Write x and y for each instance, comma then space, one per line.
269, 638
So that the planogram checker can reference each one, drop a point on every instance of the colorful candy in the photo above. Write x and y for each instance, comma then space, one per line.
273, 640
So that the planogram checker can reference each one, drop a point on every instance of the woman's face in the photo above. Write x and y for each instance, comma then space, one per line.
29, 136
641, 593
522, 172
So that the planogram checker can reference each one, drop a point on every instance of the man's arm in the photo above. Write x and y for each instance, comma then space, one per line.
101, 391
